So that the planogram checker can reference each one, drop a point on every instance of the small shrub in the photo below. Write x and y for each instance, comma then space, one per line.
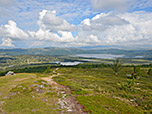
150, 71
22, 89
129, 86
80, 92
116, 66
48, 70
59, 79
136, 69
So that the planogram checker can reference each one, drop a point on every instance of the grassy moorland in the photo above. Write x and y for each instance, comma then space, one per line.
102, 92
27, 94
98, 90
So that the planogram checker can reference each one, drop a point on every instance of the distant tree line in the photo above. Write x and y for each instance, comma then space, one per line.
40, 69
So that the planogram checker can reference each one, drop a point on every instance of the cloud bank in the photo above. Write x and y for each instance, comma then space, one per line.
53, 27
103, 29
120, 5
7, 43
12, 31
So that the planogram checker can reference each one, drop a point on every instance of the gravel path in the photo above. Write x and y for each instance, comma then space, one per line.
66, 102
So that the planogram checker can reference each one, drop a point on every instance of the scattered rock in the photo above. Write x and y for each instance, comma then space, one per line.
41, 86
128, 75
12, 94
6, 97
37, 90
13, 85
19, 86
67, 104
132, 100
24, 88
45, 100
69, 110
43, 82
33, 110
2, 102
62, 92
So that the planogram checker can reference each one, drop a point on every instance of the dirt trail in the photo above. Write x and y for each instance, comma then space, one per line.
66, 102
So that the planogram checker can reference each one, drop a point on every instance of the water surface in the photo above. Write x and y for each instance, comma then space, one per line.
100, 56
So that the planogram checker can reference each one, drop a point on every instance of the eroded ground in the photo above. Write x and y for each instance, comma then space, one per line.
36, 94
67, 103
76, 91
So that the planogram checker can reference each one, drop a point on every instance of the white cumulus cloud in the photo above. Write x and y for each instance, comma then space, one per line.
53, 28
11, 31
117, 29
49, 20
46, 35
103, 29
111, 28
7, 43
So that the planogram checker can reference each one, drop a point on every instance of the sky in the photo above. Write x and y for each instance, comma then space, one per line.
75, 23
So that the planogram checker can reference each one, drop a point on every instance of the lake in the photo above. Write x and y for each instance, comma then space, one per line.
69, 63
99, 56
66, 63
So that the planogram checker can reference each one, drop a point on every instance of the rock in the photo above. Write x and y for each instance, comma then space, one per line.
43, 82
33, 110
69, 110
37, 90
129, 75
41, 86
2, 102
131, 100
62, 104
64, 96
19, 86
6, 97
62, 92
24, 88
11, 94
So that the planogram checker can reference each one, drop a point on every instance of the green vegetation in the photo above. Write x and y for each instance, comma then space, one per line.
48, 70
96, 88
129, 85
150, 71
116, 66
76, 88
101, 104
17, 58
100, 91
27, 94
103, 86
9, 62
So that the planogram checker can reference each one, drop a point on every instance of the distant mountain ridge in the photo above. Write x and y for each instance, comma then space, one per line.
73, 51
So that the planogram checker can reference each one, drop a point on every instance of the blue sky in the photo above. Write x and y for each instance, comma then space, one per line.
75, 23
